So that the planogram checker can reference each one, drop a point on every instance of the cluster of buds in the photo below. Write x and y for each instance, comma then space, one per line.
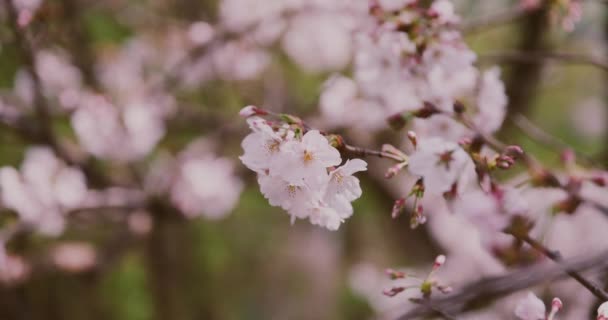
397, 154
507, 158
532, 308
417, 218
425, 285
400, 120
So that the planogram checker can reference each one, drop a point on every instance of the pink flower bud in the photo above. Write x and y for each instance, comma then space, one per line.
445, 289
439, 261
514, 151
557, 304
599, 180
568, 157
249, 111
411, 135
394, 274
393, 291
398, 208
602, 311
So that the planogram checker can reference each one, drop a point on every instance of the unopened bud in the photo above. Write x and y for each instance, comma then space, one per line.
398, 121
568, 157
602, 311
335, 140
513, 151
394, 274
394, 170
250, 111
599, 180
290, 119
557, 303
398, 207
426, 111
393, 291
459, 107
445, 289
439, 261
569, 205
411, 135
543, 178
504, 162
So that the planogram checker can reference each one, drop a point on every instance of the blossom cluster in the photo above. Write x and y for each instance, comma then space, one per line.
302, 173
410, 56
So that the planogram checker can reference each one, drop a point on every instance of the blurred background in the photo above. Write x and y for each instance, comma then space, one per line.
164, 81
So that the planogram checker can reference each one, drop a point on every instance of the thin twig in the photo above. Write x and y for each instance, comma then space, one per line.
536, 57
362, 152
544, 138
25, 49
487, 290
556, 257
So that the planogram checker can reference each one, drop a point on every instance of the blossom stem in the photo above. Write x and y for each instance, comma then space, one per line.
544, 138
486, 290
556, 257
26, 52
363, 152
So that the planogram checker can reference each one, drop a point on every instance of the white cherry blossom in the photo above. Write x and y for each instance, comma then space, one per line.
530, 308
602, 311
299, 174
42, 190
308, 158
440, 163
491, 102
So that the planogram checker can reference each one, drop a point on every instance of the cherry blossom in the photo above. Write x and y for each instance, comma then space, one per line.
491, 102
440, 163
491, 212
311, 155
530, 308
42, 190
602, 311
301, 174
206, 186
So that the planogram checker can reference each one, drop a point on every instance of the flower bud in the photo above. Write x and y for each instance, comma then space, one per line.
426, 111
250, 111
568, 157
445, 289
398, 208
398, 121
569, 205
393, 291
513, 151
439, 261
556, 305
602, 311
411, 135
394, 274
599, 180
290, 119
459, 107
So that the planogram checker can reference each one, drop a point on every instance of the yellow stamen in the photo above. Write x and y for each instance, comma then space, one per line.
308, 156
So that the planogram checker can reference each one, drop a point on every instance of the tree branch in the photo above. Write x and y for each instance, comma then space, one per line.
540, 57
487, 290
556, 257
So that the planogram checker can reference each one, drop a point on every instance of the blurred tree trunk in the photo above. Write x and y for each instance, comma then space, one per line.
604, 152
79, 42
523, 80
173, 274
